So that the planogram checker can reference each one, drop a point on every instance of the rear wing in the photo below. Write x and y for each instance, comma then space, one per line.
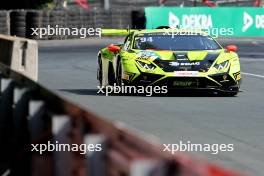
118, 32
124, 32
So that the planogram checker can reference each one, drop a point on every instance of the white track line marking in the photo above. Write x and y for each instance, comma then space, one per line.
259, 76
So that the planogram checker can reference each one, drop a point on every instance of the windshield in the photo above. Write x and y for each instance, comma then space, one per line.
159, 41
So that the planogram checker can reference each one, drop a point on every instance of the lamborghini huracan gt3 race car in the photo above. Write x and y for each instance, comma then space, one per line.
181, 62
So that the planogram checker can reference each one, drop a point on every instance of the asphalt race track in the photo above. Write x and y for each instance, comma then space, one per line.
69, 67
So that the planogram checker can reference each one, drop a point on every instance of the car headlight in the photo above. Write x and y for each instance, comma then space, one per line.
221, 65
146, 66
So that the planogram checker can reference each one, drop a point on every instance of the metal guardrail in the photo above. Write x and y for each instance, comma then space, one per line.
32, 114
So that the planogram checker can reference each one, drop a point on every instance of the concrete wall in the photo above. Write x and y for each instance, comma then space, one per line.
20, 54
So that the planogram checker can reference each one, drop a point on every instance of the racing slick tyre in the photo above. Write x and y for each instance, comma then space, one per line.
119, 71
100, 71
111, 75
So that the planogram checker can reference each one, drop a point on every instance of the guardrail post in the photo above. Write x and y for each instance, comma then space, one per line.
61, 127
35, 124
40, 164
6, 110
6, 98
20, 137
96, 160
147, 168
21, 99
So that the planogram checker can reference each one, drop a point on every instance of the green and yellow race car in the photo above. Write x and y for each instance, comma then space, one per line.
178, 58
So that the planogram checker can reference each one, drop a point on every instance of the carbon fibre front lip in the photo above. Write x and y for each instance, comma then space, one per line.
206, 85
216, 89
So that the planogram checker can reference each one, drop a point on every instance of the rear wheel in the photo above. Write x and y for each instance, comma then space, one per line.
100, 71
119, 73
111, 75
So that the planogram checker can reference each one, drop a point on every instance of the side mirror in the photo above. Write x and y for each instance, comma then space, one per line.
231, 48
113, 48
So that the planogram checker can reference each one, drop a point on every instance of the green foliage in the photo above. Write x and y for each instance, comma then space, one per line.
46, 5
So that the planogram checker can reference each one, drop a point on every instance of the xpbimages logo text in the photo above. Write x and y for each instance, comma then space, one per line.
214, 32
59, 147
124, 89
195, 147
68, 31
